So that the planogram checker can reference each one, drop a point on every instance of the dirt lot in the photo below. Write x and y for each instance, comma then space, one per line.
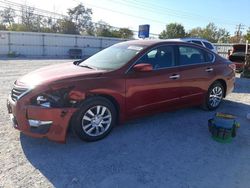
167, 150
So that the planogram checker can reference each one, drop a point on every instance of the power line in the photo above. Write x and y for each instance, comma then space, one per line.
41, 11
238, 31
122, 13
156, 8
159, 9
136, 4
179, 13
45, 13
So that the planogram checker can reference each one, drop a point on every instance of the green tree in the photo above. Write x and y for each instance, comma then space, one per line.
18, 27
247, 36
211, 33
195, 32
49, 25
47, 22
28, 18
173, 30
66, 26
7, 16
103, 29
125, 33
81, 16
37, 23
222, 36
2, 27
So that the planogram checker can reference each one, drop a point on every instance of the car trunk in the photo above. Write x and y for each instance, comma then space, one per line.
238, 57
238, 53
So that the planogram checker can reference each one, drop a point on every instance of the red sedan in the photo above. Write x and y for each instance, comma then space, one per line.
124, 81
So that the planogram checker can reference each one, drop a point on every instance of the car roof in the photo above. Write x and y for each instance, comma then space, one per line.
194, 38
150, 42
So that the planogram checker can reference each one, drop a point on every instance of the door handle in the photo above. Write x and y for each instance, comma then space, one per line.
209, 69
174, 76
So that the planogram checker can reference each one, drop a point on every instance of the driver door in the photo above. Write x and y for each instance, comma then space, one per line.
156, 90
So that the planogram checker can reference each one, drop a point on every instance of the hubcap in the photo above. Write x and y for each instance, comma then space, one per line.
96, 120
215, 96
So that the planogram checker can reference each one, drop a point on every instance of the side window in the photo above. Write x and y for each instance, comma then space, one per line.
209, 57
190, 55
208, 45
161, 57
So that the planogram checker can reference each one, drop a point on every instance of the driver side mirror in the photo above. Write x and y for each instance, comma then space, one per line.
143, 67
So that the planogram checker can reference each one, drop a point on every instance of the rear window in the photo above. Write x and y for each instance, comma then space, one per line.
208, 45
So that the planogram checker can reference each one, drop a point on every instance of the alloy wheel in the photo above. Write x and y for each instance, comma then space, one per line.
215, 96
96, 120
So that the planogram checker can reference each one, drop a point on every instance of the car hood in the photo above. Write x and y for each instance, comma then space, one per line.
56, 72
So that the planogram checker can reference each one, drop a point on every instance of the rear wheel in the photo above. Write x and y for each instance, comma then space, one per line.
214, 96
95, 119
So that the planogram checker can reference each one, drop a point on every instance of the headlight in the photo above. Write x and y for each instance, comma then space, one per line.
50, 99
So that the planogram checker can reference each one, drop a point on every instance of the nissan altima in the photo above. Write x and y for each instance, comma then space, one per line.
125, 81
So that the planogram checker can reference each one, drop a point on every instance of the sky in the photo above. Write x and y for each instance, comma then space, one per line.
157, 13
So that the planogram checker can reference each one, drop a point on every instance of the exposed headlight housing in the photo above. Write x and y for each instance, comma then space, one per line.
53, 98
43, 101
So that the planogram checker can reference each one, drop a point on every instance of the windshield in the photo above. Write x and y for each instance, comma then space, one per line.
113, 57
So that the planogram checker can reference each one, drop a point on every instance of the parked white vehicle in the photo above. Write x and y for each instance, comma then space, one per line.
202, 42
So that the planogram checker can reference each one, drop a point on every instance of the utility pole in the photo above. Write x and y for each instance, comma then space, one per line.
238, 31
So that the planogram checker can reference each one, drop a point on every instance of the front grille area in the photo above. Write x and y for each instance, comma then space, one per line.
16, 92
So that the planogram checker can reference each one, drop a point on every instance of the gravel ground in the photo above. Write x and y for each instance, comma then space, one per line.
171, 149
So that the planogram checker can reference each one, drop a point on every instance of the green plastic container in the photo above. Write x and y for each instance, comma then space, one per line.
222, 129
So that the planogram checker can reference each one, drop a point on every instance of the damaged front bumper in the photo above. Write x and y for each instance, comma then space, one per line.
40, 122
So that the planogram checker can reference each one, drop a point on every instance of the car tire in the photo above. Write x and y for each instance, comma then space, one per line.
95, 119
214, 96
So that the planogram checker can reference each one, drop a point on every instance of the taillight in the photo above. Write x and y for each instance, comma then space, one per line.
232, 66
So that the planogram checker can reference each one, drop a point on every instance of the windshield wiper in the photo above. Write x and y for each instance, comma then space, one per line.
86, 66
78, 62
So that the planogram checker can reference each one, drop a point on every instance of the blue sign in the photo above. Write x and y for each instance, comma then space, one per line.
143, 31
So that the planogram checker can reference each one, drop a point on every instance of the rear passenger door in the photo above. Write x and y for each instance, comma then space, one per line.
196, 69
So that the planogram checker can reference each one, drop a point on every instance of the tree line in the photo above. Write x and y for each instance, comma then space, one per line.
77, 21
210, 32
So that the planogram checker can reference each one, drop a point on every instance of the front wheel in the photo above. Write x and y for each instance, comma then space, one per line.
95, 119
214, 96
